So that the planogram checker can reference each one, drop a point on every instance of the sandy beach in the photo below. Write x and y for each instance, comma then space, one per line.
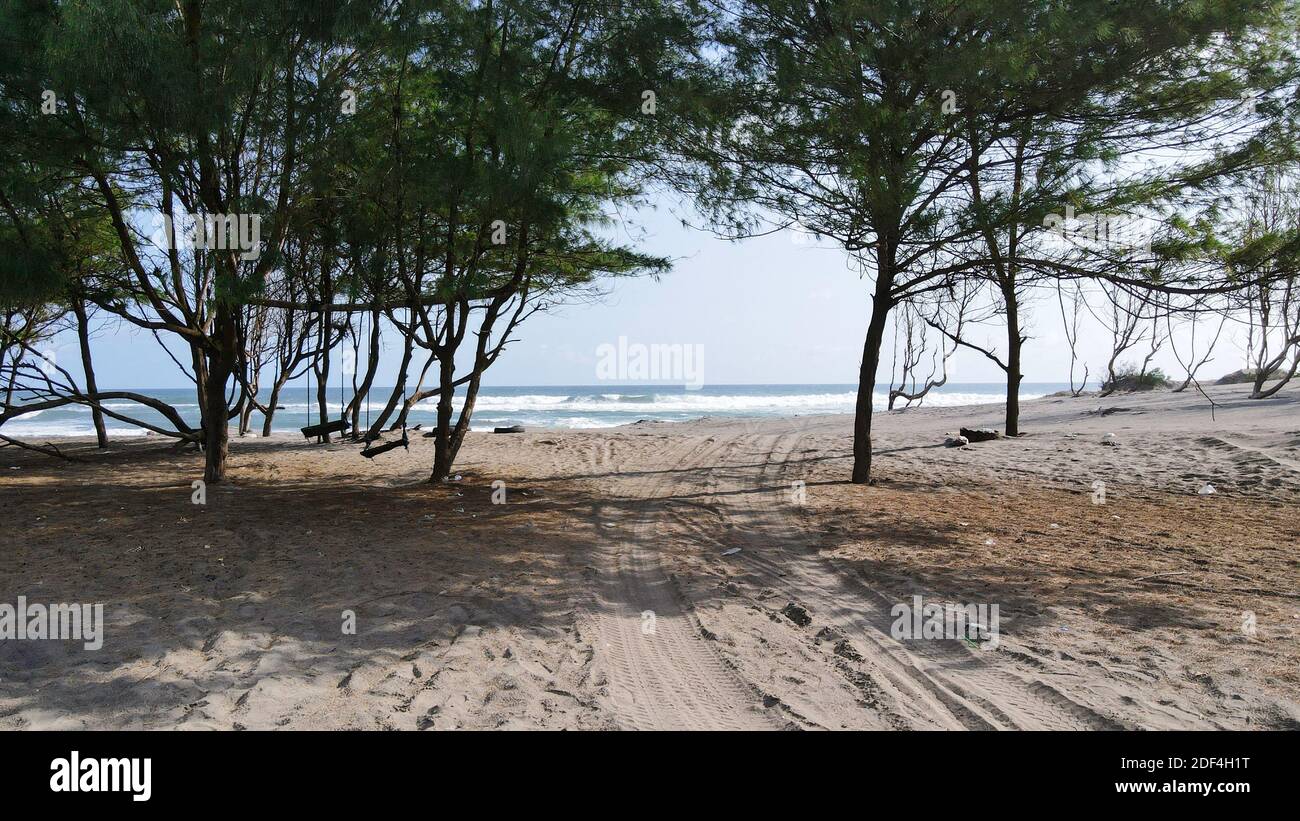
720, 573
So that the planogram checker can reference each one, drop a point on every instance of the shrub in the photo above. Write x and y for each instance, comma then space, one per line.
1128, 378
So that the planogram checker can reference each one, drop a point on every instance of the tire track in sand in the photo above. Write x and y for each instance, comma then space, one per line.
665, 677
674, 679
951, 683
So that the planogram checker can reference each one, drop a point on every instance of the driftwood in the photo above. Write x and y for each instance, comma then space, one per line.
48, 449
511, 429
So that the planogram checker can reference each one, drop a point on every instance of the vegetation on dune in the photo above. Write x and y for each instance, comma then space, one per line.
1131, 378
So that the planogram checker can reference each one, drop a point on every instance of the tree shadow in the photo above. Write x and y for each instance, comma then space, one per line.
249, 591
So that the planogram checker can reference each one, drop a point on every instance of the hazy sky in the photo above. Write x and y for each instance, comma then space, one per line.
767, 310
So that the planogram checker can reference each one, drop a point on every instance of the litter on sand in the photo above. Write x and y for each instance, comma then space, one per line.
731, 551
1207, 489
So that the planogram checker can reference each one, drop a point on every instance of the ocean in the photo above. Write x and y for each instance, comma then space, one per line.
565, 406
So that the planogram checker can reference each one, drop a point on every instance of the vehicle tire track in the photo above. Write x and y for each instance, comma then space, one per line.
970, 689
661, 673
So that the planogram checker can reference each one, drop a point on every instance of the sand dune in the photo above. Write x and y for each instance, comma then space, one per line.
607, 592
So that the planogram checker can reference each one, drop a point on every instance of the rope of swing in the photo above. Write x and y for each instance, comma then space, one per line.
365, 318
342, 406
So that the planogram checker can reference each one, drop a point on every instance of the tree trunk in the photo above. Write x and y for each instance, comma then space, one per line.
372, 364
246, 408
1014, 344
271, 406
1261, 377
322, 385
881, 305
1261, 392
418, 394
200, 361
471, 390
466, 411
398, 390
83, 337
216, 415
442, 454
216, 428
13, 375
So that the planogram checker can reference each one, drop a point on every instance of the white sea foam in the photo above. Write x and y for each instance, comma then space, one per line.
26, 428
704, 405
558, 409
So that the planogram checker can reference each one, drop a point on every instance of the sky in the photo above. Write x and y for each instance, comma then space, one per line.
779, 309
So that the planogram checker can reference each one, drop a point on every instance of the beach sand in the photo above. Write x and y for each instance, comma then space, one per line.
606, 591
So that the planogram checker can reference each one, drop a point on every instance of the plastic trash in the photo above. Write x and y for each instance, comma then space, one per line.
731, 551
1207, 489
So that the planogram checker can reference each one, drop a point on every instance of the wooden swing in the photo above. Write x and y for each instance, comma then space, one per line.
374, 450
323, 428
336, 426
